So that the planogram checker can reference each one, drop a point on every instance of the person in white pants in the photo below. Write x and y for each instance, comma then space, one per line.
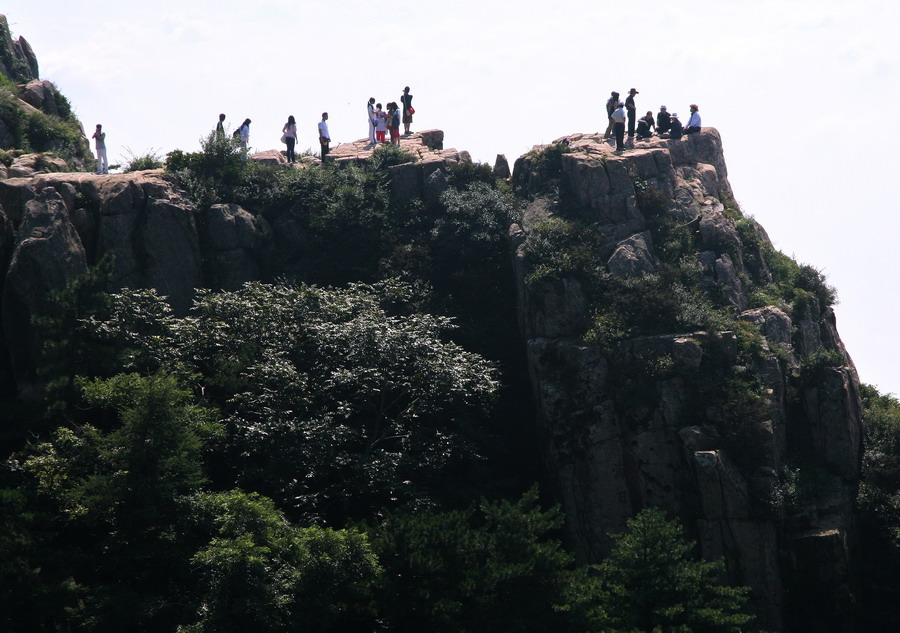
372, 120
100, 143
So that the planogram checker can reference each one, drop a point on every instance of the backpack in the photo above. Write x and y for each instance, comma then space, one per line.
236, 134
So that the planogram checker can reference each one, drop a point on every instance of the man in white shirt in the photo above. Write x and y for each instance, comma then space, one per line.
693, 126
100, 144
618, 117
324, 137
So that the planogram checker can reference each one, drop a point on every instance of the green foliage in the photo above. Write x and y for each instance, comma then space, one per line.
651, 200
651, 583
117, 486
140, 162
491, 567
879, 512
547, 161
260, 573
465, 173
388, 155
334, 407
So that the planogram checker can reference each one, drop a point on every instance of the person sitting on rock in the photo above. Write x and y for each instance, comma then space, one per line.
693, 126
662, 121
675, 128
645, 126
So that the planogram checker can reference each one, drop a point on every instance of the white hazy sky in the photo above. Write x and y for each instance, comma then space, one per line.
804, 93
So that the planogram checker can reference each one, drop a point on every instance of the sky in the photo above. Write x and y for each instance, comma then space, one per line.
803, 93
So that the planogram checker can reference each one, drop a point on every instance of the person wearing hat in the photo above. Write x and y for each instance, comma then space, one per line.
618, 117
662, 121
675, 128
693, 125
632, 111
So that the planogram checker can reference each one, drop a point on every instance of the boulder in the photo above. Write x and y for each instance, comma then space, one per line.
633, 257
46, 256
501, 167
28, 165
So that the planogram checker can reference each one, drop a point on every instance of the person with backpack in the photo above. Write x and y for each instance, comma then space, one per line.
290, 137
611, 104
380, 124
394, 116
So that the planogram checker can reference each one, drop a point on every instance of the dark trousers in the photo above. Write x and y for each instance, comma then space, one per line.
324, 148
691, 130
290, 148
620, 136
631, 117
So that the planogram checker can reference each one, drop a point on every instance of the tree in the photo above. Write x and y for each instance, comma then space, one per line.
333, 406
260, 573
119, 488
492, 567
651, 584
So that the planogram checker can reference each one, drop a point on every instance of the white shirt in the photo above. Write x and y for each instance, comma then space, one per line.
619, 115
290, 130
694, 121
323, 130
245, 134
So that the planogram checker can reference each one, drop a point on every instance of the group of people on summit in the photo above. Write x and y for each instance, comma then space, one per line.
380, 121
667, 124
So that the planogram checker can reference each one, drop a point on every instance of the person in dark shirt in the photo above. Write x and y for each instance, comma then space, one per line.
662, 120
631, 109
645, 126
406, 100
611, 104
675, 128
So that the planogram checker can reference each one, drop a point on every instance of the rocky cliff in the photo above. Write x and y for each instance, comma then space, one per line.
746, 426
39, 133
676, 359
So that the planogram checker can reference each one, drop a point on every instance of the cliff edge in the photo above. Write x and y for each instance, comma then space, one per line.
680, 361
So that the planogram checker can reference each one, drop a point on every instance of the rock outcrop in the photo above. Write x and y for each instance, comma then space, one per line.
764, 469
55, 225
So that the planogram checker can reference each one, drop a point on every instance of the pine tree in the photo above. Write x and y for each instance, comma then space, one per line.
651, 583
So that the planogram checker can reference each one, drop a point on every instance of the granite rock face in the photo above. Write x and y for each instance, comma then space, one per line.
652, 420
54, 225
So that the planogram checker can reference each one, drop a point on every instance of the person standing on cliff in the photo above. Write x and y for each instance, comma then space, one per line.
611, 104
324, 136
244, 135
632, 111
220, 127
290, 137
618, 117
663, 121
406, 101
99, 137
370, 108
693, 126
